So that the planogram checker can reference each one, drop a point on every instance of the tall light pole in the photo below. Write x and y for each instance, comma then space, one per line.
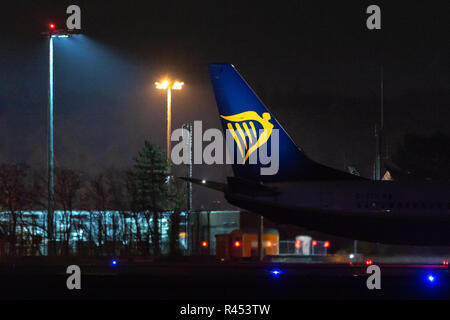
169, 86
379, 135
52, 33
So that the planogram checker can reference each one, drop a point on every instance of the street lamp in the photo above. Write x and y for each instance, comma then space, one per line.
51, 34
169, 86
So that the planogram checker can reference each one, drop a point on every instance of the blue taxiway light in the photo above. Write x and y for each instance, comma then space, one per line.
114, 263
275, 272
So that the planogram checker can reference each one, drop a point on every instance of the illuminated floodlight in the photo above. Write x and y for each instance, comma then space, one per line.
177, 85
351, 256
237, 244
163, 85
326, 244
168, 84
431, 278
203, 181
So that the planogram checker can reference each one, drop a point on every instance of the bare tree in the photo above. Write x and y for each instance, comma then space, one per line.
67, 187
13, 200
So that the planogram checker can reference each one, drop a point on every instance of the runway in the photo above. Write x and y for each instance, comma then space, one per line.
214, 282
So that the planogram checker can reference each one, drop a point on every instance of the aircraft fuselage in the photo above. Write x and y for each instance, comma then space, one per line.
380, 211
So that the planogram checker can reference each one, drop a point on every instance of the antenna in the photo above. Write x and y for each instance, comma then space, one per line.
379, 132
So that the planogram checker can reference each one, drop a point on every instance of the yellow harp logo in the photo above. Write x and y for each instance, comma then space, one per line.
247, 118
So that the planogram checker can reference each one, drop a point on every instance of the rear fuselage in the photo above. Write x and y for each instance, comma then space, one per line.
379, 211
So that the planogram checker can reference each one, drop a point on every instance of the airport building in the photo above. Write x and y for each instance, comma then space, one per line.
85, 232
112, 232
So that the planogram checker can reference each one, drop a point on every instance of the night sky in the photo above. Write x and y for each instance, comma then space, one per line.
314, 64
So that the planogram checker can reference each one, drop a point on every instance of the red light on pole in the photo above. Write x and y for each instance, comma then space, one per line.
326, 244
369, 262
51, 26
237, 244
204, 244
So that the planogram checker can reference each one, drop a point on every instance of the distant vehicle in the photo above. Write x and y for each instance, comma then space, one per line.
311, 195
243, 244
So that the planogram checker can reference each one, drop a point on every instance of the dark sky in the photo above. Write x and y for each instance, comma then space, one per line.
314, 64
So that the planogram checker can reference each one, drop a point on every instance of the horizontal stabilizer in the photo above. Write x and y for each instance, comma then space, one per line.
219, 186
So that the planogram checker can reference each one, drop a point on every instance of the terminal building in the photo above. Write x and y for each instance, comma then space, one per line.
114, 233
111, 232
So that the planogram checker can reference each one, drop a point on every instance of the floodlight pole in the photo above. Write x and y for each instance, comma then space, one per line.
50, 149
379, 134
169, 86
260, 238
50, 156
169, 124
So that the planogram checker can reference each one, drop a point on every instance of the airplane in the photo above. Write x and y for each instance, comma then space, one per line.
308, 194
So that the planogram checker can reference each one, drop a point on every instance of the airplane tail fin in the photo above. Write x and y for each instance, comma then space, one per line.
252, 126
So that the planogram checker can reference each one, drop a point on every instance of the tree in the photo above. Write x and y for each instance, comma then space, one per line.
147, 192
14, 200
98, 201
114, 181
67, 187
424, 157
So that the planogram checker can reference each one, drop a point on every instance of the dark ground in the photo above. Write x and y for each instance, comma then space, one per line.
214, 281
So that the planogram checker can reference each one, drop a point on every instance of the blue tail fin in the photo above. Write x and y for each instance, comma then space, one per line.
242, 111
